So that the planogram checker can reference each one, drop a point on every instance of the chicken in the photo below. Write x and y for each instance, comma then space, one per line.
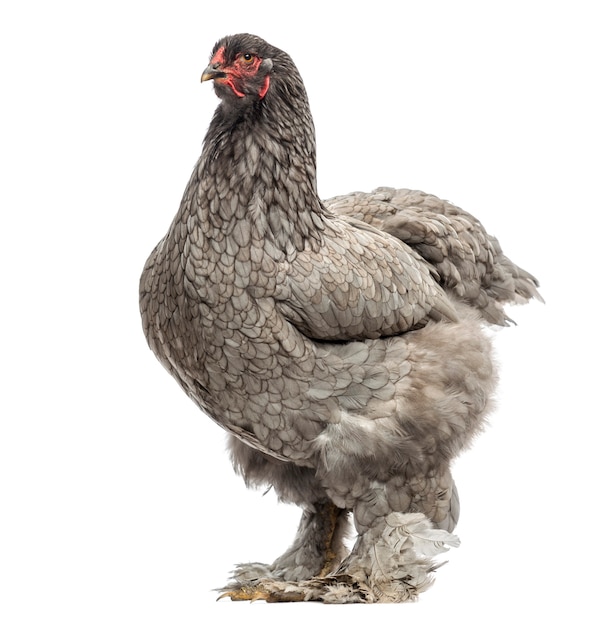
339, 343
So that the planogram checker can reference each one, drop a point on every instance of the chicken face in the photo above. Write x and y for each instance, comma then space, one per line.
239, 69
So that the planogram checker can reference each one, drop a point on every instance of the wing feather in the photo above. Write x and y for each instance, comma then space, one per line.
362, 283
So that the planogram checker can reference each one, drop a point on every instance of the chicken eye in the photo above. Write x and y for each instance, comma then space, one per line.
247, 57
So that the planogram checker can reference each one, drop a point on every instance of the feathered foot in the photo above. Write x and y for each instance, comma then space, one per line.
330, 590
389, 563
393, 561
255, 581
316, 551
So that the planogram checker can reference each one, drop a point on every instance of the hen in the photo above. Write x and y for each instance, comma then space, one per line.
340, 343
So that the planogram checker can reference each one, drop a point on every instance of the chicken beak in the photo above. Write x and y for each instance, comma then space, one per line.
211, 72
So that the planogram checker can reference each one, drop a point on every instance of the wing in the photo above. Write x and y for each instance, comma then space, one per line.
361, 283
468, 260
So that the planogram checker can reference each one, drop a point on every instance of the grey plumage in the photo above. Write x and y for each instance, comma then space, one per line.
339, 343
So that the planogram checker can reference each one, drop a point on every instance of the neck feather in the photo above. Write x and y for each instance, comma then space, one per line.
260, 166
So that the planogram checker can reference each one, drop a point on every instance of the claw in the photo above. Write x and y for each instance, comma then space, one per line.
259, 592
245, 593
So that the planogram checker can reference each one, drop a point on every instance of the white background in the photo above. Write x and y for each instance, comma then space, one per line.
118, 503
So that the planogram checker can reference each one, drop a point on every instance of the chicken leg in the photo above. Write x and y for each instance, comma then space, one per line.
316, 551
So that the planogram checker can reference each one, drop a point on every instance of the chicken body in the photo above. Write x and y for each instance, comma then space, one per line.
339, 343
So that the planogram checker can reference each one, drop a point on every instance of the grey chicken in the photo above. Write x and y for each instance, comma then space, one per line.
340, 343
